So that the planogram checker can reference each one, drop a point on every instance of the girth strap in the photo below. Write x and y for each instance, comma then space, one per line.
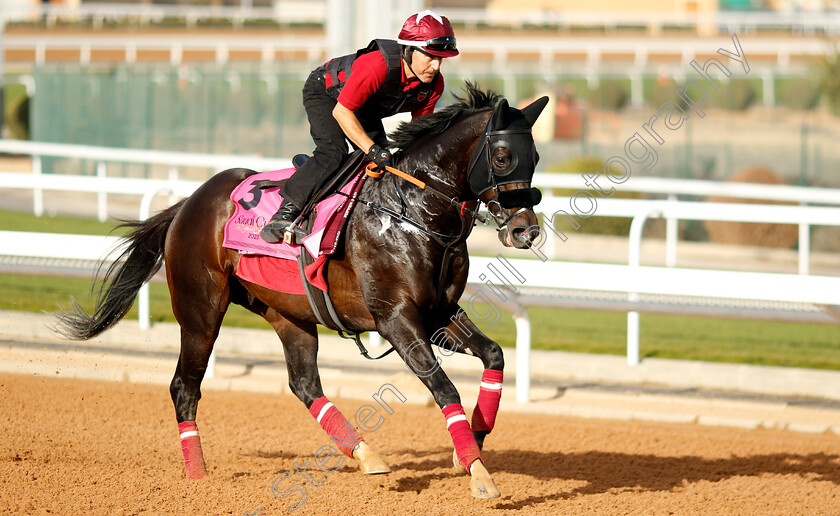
313, 294
324, 310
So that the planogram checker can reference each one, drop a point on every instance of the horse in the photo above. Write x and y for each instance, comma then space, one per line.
402, 272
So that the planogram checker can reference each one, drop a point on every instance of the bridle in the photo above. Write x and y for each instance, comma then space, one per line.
494, 208
481, 176
468, 211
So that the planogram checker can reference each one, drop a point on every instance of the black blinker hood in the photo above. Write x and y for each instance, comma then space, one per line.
514, 126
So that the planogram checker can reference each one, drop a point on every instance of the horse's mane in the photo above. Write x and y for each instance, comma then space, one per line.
474, 101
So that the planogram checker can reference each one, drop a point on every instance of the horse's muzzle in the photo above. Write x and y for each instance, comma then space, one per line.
520, 238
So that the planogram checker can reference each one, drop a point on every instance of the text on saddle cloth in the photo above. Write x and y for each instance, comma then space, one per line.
255, 206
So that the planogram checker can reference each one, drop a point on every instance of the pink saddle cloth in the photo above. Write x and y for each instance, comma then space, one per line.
275, 266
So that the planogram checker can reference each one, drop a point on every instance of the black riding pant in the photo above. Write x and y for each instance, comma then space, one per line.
330, 142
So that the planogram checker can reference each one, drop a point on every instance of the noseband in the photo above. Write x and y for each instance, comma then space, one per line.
497, 213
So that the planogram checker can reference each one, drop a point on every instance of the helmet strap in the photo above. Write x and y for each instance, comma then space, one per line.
407, 51
406, 55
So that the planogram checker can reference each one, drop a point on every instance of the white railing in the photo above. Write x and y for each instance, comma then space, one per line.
632, 279
72, 247
708, 22
641, 210
283, 11
589, 51
102, 185
697, 187
314, 47
674, 187
635, 279
57, 245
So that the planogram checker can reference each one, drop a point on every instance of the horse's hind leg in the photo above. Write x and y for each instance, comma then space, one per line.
300, 347
199, 310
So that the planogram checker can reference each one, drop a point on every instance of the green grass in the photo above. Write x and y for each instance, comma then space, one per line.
688, 338
52, 294
680, 337
17, 221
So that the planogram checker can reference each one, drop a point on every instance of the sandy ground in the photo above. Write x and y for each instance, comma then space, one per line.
85, 447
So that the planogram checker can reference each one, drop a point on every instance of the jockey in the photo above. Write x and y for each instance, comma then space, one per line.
349, 96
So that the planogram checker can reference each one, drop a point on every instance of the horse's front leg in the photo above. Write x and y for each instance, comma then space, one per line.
411, 341
455, 331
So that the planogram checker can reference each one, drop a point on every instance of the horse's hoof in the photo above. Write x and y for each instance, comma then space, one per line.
482, 484
455, 462
374, 467
369, 461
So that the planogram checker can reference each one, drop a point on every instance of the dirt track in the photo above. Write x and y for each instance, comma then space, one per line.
83, 447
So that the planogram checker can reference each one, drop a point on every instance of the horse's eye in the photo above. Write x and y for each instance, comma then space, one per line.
501, 158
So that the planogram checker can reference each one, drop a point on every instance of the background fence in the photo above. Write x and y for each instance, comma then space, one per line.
547, 281
256, 109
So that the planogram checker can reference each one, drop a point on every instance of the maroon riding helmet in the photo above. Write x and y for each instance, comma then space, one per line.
430, 32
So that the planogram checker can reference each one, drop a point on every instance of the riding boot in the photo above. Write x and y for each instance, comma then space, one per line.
273, 231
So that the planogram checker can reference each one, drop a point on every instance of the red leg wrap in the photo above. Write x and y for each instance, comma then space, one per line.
462, 437
191, 447
336, 426
484, 415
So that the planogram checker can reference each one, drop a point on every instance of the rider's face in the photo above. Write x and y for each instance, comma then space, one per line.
426, 66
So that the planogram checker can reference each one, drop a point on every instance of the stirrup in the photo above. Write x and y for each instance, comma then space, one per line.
294, 234
269, 236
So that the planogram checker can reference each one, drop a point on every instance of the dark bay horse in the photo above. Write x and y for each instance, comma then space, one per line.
393, 275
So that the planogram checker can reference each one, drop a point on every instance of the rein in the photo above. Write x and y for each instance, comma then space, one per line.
376, 174
447, 241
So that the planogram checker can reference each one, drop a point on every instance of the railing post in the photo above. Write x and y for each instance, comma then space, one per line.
146, 201
523, 355
634, 260
144, 307
804, 246
101, 195
143, 301
37, 192
671, 237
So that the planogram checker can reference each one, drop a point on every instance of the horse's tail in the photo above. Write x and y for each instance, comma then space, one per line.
139, 261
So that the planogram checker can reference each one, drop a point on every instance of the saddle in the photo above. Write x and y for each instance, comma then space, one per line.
303, 225
302, 267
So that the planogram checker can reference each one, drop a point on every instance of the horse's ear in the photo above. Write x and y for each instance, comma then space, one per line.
500, 115
532, 111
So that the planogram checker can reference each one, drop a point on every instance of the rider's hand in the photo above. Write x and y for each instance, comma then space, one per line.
381, 157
